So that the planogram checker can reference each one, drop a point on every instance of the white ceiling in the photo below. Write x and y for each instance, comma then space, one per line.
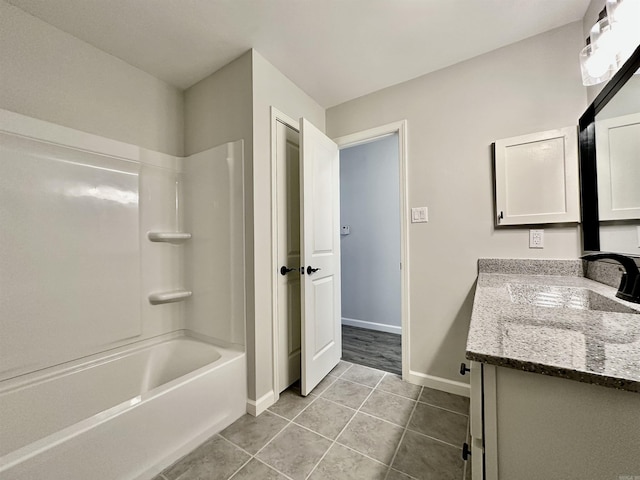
335, 50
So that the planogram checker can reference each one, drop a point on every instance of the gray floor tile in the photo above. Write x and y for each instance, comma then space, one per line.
446, 400
467, 470
396, 475
427, 459
347, 393
394, 384
438, 423
364, 375
295, 451
252, 433
216, 459
325, 417
344, 464
325, 383
256, 470
340, 368
290, 404
371, 436
390, 407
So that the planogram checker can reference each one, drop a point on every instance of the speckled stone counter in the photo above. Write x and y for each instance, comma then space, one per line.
539, 323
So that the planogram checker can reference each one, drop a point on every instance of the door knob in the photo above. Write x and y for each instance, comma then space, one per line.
311, 270
284, 270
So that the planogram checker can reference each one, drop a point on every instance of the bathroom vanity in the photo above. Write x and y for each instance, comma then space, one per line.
555, 375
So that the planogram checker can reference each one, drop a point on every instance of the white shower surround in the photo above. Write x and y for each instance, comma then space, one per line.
143, 383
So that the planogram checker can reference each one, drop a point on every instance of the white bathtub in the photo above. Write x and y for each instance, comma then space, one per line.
126, 415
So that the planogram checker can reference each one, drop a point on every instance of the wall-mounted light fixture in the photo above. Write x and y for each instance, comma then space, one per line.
611, 41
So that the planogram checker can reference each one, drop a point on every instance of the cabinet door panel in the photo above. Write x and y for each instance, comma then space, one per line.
553, 428
476, 400
537, 178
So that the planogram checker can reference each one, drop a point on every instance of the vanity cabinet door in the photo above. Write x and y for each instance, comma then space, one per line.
542, 427
537, 178
475, 426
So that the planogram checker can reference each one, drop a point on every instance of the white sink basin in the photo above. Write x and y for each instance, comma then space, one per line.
564, 297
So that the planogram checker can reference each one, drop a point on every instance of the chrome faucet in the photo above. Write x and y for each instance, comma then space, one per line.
629, 288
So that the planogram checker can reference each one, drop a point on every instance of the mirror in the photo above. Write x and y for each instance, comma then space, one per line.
610, 165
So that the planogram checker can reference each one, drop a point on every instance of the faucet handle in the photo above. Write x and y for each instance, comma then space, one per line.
623, 282
635, 290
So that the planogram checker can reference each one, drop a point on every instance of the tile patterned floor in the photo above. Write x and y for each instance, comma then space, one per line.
359, 423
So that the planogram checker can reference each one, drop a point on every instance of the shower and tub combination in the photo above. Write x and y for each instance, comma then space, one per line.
122, 319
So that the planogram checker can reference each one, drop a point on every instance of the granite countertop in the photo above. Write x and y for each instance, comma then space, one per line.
538, 323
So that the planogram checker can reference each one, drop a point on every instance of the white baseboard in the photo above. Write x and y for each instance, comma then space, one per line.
438, 383
380, 327
258, 406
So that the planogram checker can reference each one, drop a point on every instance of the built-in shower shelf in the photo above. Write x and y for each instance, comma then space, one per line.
169, 297
169, 237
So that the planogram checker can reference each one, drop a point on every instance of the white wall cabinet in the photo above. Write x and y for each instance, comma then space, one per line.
531, 427
537, 178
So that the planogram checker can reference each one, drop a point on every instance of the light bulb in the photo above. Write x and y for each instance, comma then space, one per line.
598, 63
624, 16
604, 39
595, 67
624, 11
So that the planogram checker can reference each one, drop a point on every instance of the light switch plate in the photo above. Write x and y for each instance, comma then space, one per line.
536, 238
419, 215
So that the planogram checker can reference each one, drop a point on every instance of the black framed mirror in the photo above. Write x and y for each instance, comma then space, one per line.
620, 98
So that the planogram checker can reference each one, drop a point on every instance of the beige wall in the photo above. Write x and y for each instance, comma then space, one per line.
219, 109
453, 117
270, 88
50, 75
231, 104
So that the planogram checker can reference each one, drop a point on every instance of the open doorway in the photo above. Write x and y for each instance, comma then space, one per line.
289, 332
371, 254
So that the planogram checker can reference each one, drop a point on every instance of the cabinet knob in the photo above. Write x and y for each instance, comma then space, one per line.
464, 369
466, 452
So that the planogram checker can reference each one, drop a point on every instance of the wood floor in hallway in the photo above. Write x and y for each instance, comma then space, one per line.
373, 349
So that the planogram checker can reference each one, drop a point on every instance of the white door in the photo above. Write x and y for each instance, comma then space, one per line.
288, 201
321, 346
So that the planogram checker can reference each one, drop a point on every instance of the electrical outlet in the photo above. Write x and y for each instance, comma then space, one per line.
536, 238
419, 215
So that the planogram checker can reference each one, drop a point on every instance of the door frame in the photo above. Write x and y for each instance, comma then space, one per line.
276, 116
366, 136
358, 138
